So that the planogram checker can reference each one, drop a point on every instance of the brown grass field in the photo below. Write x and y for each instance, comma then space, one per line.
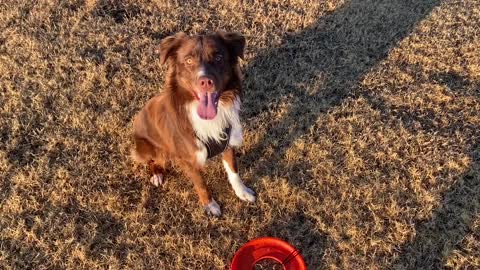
362, 135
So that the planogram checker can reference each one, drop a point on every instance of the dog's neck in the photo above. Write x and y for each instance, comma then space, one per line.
227, 115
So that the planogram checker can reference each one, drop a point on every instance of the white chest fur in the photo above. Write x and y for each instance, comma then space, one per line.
227, 115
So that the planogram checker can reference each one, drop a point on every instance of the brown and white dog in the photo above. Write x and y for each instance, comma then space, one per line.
196, 116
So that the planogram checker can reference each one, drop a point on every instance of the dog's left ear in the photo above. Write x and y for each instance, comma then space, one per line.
235, 43
169, 45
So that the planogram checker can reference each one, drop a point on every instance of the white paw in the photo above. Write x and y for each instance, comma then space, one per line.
213, 208
245, 194
156, 179
236, 140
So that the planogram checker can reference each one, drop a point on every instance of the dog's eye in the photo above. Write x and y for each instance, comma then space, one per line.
189, 61
218, 57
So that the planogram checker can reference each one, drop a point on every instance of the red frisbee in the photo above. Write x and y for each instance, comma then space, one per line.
268, 248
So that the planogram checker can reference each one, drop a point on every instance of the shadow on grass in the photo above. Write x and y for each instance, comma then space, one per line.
21, 256
107, 230
311, 72
436, 238
329, 56
299, 230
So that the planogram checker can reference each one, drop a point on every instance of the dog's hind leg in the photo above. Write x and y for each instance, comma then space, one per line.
145, 152
157, 169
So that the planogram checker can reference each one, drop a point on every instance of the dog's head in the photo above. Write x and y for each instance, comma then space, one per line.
203, 65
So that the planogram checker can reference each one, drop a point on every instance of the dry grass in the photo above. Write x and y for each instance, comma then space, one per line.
362, 135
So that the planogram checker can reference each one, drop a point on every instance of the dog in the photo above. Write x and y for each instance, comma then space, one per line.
196, 116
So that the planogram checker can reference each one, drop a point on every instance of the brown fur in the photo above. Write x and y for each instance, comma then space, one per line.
163, 132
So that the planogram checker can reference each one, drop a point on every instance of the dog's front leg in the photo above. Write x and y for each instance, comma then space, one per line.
210, 205
230, 164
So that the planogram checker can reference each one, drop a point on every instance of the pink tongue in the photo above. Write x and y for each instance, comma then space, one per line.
207, 109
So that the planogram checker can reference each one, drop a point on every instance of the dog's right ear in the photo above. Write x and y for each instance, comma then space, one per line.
235, 42
169, 45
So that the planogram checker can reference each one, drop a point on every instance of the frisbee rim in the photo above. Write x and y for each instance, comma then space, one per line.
268, 242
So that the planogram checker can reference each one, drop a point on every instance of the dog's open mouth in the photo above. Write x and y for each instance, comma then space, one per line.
207, 106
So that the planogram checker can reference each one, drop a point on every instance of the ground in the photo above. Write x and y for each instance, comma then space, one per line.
362, 135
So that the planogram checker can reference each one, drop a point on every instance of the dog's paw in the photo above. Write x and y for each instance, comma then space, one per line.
212, 208
236, 140
156, 179
245, 194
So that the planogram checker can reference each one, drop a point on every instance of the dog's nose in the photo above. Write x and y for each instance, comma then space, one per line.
205, 83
